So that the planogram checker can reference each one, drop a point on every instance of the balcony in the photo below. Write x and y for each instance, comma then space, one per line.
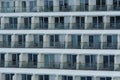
37, 26
95, 45
64, 45
8, 26
71, 45
19, 45
56, 45
60, 26
78, 26
82, 7
106, 66
2, 63
112, 45
62, 8
69, 65
29, 64
88, 66
59, 65
51, 65
13, 64
99, 7
95, 26
35, 44
113, 26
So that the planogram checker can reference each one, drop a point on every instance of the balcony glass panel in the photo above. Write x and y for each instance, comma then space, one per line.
33, 7
44, 77
101, 5
108, 63
26, 77
9, 76
5, 6
6, 41
90, 62
86, 78
67, 78
2, 59
76, 42
48, 5
70, 62
105, 78
116, 4
14, 61
51, 61
57, 41
83, 5
111, 42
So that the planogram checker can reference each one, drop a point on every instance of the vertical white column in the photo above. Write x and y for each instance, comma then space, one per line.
117, 62
109, 4
14, 40
6, 21
1, 40
97, 78
15, 77
76, 5
82, 41
51, 22
17, 6
92, 4
66, 21
2, 22
58, 77
78, 61
100, 61
85, 40
2, 76
46, 42
72, 22
67, 40
0, 6
94, 78
106, 21
27, 6
35, 21
81, 61
40, 5
8, 58
56, 5
102, 39
11, 9
74, 77
35, 77
29, 40
63, 60
116, 78
20, 22
88, 21
23, 59
40, 60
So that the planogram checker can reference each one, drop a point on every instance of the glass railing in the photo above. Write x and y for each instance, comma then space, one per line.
61, 65
98, 26
94, 45
60, 26
67, 8
112, 45
60, 44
